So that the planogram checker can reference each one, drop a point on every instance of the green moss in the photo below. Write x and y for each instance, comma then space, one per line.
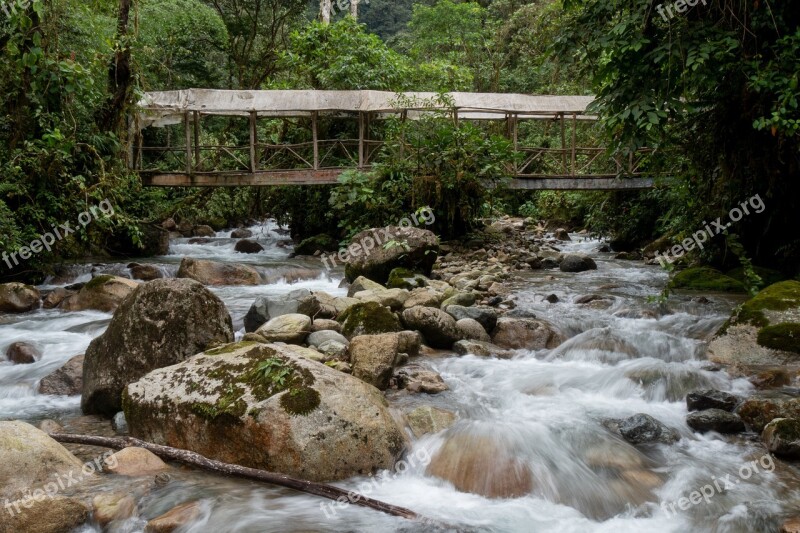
98, 281
778, 297
300, 401
230, 348
784, 337
322, 243
768, 276
368, 318
705, 279
403, 278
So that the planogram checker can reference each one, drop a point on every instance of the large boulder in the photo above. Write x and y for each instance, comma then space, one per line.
384, 249
56, 515
438, 328
782, 437
18, 298
577, 263
162, 323
403, 278
145, 272
29, 459
470, 329
705, 279
266, 406
66, 381
527, 333
373, 358
368, 318
361, 284
711, 399
762, 331
291, 329
218, 274
102, 293
644, 429
248, 246
266, 308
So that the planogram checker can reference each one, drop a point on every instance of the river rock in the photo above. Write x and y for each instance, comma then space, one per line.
204, 231
318, 338
415, 249
423, 297
562, 235
427, 420
248, 246
18, 298
782, 437
470, 329
373, 358
438, 328
525, 333
291, 329
763, 330
391, 298
218, 274
162, 323
577, 263
175, 519
66, 381
145, 272
332, 306
480, 348
417, 378
59, 515
219, 404
486, 316
715, 420
480, 464
369, 318
267, 307
29, 459
361, 284
134, 462
644, 429
325, 324
55, 297
23, 353
403, 278
241, 233
463, 299
112, 506
711, 399
758, 411
103, 293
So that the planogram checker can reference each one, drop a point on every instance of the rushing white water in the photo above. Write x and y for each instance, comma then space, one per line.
547, 411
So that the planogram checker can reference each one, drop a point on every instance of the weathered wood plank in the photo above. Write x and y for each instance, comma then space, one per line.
581, 184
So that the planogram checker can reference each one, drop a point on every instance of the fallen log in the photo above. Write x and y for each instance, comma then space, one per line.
195, 459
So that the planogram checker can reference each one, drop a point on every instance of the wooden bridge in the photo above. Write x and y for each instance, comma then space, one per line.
174, 145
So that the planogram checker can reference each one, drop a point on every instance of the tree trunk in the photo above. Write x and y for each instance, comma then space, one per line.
354, 8
120, 78
194, 459
325, 8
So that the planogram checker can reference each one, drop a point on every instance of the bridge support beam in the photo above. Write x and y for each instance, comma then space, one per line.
581, 184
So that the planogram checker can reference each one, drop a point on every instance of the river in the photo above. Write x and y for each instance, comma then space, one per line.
547, 410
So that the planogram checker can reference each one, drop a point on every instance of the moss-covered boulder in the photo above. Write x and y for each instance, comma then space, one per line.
705, 279
317, 243
758, 411
782, 437
438, 328
765, 330
267, 407
162, 323
18, 298
368, 318
102, 293
403, 278
384, 249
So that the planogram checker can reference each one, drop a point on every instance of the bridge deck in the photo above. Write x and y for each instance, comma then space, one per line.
190, 160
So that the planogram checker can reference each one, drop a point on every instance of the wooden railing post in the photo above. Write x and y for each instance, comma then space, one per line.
315, 137
197, 140
563, 143
188, 142
574, 142
253, 140
361, 135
